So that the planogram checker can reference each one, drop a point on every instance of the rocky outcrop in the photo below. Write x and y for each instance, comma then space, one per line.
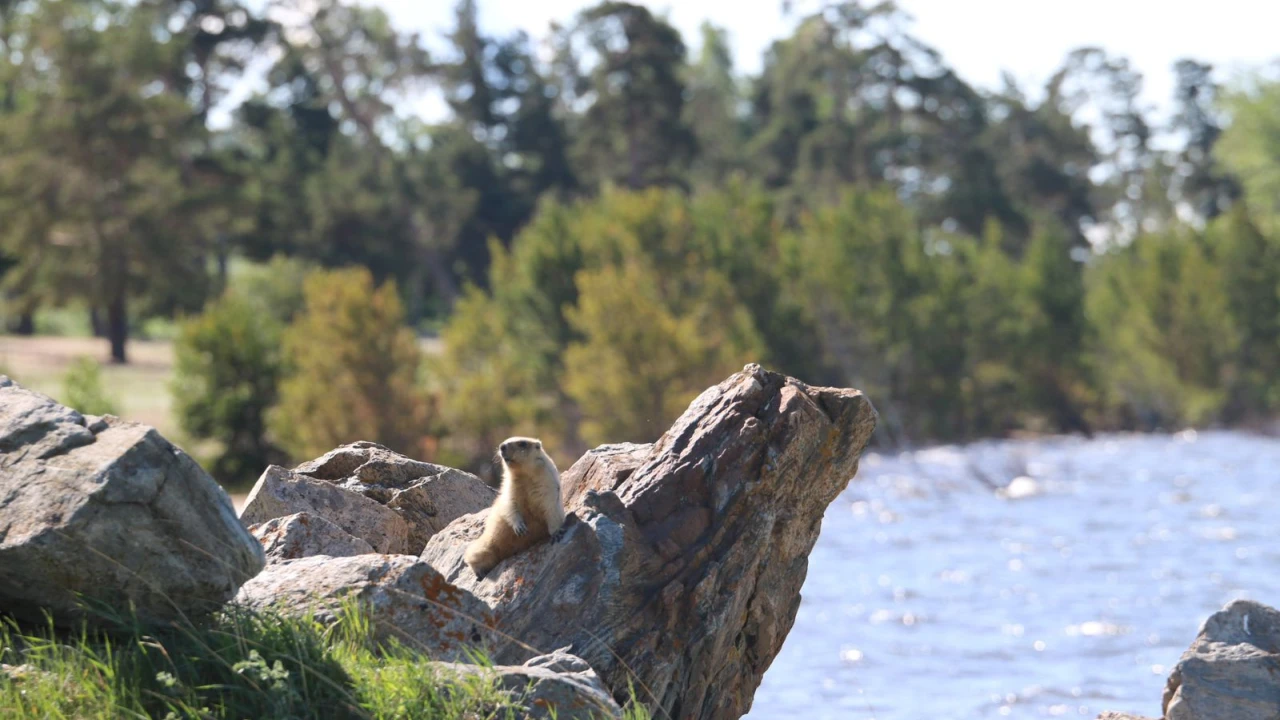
1231, 670
682, 562
280, 493
392, 502
558, 685
303, 535
107, 511
405, 597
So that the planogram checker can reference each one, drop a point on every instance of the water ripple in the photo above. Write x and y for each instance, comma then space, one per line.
1072, 591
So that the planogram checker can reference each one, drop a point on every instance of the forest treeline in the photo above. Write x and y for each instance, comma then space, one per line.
611, 217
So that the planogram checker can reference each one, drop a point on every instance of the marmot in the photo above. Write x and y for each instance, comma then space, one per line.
528, 508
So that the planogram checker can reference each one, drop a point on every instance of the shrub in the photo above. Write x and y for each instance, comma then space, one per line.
632, 377
227, 369
83, 390
352, 369
275, 287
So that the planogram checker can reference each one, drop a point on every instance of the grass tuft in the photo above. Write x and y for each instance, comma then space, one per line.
235, 664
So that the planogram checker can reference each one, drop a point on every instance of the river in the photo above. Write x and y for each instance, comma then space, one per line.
930, 596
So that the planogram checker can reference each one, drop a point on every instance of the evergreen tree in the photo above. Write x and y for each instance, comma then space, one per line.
1250, 271
90, 179
1201, 181
627, 67
713, 111
227, 369
351, 370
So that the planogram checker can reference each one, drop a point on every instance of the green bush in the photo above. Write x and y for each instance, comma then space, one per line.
352, 369
545, 351
1166, 338
275, 286
633, 376
82, 388
227, 369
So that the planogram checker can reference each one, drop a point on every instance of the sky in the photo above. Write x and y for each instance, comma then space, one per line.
979, 38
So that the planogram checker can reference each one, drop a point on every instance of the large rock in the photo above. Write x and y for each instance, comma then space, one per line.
303, 535
392, 502
558, 685
280, 493
682, 562
404, 596
1231, 670
110, 511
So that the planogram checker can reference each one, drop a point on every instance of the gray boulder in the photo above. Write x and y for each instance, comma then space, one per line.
559, 685
303, 535
393, 502
108, 511
405, 597
280, 493
1231, 670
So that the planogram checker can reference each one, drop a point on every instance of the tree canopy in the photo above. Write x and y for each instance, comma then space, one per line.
611, 216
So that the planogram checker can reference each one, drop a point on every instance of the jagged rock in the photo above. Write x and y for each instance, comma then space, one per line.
280, 492
682, 562
601, 470
303, 535
1231, 670
558, 685
112, 511
405, 597
393, 502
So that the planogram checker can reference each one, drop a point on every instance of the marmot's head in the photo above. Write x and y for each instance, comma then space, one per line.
520, 451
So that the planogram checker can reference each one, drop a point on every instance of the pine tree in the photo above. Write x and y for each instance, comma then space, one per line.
352, 370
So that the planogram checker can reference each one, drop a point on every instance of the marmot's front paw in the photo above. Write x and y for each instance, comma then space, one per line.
519, 527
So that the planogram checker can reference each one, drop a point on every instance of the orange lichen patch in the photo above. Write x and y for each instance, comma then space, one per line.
435, 587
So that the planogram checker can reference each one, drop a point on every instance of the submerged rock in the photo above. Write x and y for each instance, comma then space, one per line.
681, 565
111, 512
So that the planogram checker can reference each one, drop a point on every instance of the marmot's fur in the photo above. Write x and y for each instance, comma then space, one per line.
528, 509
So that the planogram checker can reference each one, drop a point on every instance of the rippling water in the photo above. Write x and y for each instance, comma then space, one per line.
930, 596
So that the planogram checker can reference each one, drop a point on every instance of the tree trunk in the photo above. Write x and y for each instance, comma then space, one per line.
26, 324
223, 251
118, 326
95, 322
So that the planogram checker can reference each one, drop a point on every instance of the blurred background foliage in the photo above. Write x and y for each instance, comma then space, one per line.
595, 233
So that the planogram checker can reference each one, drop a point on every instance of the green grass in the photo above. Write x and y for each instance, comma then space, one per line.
235, 664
